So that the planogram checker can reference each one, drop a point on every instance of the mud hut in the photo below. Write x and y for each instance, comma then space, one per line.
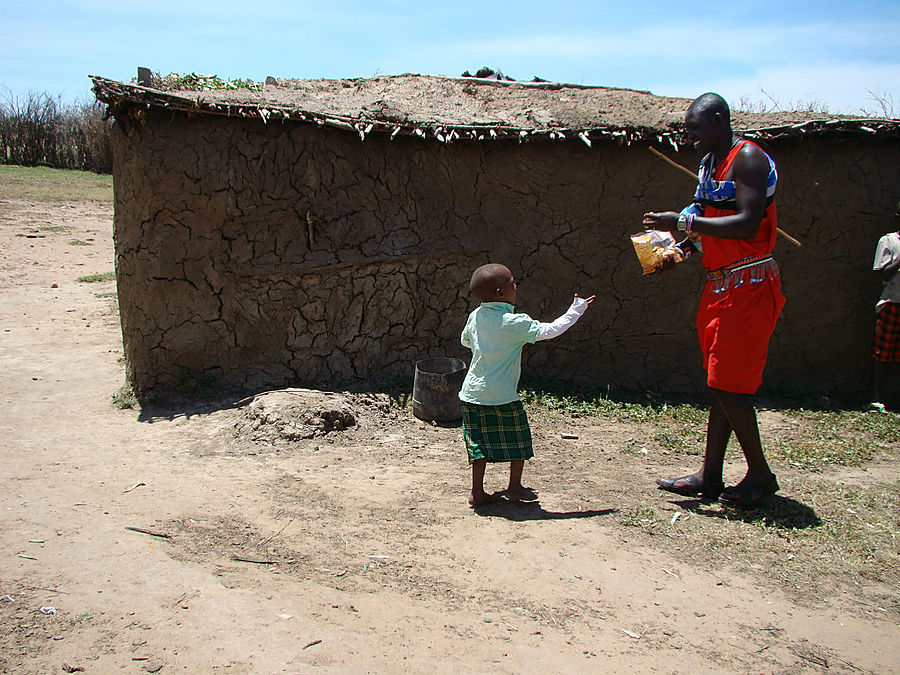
319, 232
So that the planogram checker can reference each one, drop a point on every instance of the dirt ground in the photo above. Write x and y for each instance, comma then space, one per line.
287, 549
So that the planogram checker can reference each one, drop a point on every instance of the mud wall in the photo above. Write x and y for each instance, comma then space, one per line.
285, 254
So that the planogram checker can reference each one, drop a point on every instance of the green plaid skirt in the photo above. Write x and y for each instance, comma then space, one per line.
497, 433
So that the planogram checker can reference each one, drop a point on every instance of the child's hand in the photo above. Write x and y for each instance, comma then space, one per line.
587, 300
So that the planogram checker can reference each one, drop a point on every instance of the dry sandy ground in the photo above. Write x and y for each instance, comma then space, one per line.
359, 552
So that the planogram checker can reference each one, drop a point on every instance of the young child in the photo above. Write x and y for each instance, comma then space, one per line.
495, 427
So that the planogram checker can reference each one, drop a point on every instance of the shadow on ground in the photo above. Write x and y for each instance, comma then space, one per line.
523, 511
169, 409
156, 407
775, 510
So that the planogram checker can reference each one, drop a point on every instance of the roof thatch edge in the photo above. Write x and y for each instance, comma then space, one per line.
133, 100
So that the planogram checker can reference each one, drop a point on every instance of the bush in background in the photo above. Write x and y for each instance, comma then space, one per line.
40, 130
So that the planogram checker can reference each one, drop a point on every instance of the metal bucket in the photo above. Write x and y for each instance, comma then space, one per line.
436, 388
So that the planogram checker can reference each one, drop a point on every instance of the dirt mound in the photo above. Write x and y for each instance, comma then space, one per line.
296, 414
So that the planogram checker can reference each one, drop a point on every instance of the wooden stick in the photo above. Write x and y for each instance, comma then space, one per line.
694, 176
150, 532
254, 560
784, 234
672, 163
52, 590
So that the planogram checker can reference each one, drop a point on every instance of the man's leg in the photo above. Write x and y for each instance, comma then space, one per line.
759, 481
739, 410
707, 481
718, 431
877, 380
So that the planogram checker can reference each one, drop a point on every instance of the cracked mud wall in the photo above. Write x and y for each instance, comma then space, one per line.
286, 254
837, 195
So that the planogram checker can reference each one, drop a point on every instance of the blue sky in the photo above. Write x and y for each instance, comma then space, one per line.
838, 54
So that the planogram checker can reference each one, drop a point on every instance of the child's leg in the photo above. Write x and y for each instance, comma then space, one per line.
877, 380
479, 496
515, 492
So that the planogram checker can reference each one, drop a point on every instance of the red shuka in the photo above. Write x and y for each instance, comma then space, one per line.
734, 326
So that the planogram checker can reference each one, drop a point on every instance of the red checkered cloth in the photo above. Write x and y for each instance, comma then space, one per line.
887, 334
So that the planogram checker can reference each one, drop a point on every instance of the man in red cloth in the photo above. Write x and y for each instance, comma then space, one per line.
732, 222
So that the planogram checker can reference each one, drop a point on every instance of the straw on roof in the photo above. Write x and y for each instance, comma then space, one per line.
462, 108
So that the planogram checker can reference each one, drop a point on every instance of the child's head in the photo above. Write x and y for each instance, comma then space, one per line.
493, 283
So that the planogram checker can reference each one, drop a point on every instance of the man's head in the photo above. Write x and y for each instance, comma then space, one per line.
708, 122
493, 283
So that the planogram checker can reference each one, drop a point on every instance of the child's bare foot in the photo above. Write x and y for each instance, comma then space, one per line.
483, 498
520, 494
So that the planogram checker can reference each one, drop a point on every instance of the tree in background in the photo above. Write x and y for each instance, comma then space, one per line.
39, 130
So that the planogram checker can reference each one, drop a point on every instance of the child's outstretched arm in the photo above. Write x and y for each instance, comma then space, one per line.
566, 321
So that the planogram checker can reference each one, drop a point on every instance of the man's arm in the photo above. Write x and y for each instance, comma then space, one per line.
751, 173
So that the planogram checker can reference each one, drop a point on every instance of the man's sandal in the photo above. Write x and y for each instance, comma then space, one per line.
747, 494
691, 486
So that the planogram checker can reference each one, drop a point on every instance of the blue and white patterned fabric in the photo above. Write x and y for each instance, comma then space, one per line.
720, 193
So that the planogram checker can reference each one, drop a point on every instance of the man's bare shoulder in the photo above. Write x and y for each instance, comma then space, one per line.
751, 162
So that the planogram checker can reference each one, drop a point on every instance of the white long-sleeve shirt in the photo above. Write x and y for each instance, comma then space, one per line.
496, 335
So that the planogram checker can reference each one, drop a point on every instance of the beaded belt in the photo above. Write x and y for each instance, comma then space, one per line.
738, 265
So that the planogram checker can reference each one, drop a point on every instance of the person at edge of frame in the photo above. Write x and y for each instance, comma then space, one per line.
886, 348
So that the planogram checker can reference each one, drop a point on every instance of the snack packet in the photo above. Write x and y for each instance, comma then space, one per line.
649, 246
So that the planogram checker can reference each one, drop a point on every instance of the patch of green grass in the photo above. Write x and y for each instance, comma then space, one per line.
55, 228
643, 518
41, 183
634, 447
842, 437
648, 408
200, 82
815, 440
79, 242
688, 438
124, 398
679, 427
852, 532
94, 278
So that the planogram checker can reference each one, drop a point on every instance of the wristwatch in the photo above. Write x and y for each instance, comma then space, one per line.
682, 222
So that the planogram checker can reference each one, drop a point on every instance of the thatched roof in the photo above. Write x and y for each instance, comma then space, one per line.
461, 108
